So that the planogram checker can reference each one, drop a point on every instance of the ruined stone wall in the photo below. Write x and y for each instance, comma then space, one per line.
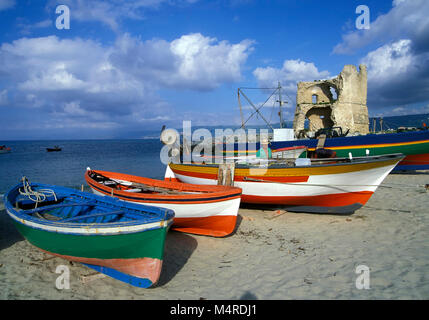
340, 101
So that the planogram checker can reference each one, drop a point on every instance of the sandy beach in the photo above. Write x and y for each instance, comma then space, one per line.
273, 254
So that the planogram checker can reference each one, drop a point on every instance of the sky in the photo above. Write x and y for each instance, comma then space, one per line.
76, 69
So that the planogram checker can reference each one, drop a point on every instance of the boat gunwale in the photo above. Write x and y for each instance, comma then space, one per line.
163, 217
353, 161
403, 138
207, 192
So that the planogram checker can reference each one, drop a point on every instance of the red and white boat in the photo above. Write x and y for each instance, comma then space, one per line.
203, 210
336, 185
4, 149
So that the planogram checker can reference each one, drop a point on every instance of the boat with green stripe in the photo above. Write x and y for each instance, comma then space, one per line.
123, 240
414, 145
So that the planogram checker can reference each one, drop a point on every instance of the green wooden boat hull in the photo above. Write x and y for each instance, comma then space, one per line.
117, 246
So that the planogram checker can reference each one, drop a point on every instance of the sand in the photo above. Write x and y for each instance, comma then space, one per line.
272, 255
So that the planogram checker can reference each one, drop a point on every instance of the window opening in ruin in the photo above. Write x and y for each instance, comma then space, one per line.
306, 124
314, 98
334, 93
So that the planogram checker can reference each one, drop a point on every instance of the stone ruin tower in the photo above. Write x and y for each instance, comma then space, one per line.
340, 101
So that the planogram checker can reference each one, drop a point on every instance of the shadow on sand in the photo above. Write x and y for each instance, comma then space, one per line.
8, 233
178, 249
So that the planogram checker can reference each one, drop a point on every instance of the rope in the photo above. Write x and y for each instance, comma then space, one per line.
35, 196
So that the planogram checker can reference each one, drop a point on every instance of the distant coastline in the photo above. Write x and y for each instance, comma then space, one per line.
390, 122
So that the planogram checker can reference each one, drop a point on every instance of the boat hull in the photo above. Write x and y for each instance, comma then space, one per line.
414, 145
316, 189
117, 251
217, 219
212, 215
133, 249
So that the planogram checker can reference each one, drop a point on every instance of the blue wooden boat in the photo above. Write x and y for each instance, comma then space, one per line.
123, 240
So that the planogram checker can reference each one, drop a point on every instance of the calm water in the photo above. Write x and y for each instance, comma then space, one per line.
67, 167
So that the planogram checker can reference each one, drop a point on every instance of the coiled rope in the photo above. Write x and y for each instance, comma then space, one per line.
36, 196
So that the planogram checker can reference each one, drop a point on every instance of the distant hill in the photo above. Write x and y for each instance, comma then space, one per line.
411, 120
393, 122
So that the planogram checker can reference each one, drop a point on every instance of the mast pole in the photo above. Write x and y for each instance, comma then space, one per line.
241, 110
280, 105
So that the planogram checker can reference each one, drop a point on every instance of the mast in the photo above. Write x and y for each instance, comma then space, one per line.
280, 105
241, 110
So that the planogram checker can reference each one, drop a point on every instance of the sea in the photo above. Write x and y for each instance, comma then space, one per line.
67, 167
139, 157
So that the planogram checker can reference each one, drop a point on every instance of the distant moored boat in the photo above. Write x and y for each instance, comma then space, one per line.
55, 148
4, 149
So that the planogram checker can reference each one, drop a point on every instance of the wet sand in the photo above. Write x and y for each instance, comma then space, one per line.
273, 254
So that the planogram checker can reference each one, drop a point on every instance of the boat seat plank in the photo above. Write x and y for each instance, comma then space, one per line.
63, 205
93, 215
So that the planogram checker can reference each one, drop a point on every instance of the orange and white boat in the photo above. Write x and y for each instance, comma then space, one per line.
203, 210
336, 185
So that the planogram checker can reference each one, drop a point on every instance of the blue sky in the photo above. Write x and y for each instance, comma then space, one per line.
127, 67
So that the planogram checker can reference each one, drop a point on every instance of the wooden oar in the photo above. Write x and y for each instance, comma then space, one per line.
152, 188
100, 214
142, 186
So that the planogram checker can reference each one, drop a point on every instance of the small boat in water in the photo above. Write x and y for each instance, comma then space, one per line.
203, 210
334, 185
123, 240
4, 149
55, 148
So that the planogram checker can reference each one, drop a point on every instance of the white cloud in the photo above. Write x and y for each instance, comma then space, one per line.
83, 80
391, 60
6, 4
289, 75
190, 62
3, 98
111, 12
407, 19
202, 59
398, 69
57, 78
43, 24
397, 75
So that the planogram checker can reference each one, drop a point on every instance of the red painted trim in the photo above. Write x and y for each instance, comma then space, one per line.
328, 200
274, 179
416, 159
215, 226
205, 192
289, 148
174, 200
171, 179
146, 268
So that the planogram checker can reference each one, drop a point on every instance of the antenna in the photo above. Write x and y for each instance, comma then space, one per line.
280, 101
280, 105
